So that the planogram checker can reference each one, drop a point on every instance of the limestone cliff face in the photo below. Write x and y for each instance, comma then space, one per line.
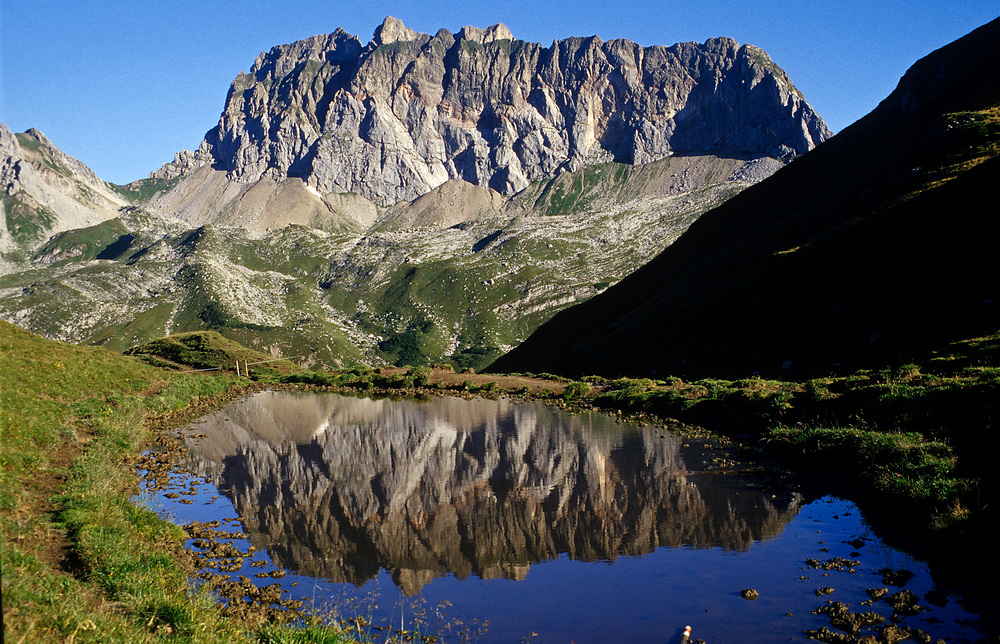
405, 113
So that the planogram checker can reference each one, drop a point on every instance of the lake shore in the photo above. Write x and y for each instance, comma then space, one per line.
81, 561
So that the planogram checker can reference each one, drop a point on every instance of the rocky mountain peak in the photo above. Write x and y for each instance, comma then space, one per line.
406, 113
494, 33
392, 30
44, 190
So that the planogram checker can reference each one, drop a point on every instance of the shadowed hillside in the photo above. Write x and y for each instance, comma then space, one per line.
877, 247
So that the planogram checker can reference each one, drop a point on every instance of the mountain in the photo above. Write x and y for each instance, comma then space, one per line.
877, 247
256, 236
407, 112
45, 191
461, 273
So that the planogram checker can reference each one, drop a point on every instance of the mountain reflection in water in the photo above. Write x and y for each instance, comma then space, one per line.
338, 487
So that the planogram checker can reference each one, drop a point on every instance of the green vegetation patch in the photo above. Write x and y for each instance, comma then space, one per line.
904, 466
752, 404
143, 190
309, 634
205, 350
972, 134
362, 378
83, 244
405, 348
577, 191
576, 390
26, 222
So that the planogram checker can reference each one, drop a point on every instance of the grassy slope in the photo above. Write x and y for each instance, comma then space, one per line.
206, 350
80, 561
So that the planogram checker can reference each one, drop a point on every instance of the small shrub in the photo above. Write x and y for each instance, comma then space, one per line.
576, 390
421, 376
632, 384
317, 378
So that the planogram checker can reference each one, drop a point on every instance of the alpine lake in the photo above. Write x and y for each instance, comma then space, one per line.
507, 521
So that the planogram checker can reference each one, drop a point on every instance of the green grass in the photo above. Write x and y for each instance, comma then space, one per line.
315, 634
206, 350
81, 562
71, 418
83, 243
576, 192
26, 222
575, 391
915, 440
142, 190
905, 466
419, 309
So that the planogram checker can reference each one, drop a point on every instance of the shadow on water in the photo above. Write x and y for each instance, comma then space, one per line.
551, 526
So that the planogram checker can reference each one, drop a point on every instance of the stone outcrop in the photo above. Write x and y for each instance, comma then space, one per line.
184, 162
407, 112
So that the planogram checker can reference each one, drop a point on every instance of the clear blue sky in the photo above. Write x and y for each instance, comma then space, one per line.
124, 84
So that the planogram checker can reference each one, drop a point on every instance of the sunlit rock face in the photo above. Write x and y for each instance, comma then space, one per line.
45, 191
405, 113
340, 487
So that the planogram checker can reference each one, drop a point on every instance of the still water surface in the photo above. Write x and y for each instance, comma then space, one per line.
551, 527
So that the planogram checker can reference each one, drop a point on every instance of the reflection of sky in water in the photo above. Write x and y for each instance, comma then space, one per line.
645, 594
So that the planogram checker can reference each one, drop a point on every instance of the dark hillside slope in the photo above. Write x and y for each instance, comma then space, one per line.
876, 247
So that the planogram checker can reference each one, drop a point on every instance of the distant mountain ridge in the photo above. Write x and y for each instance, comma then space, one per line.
878, 247
407, 112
